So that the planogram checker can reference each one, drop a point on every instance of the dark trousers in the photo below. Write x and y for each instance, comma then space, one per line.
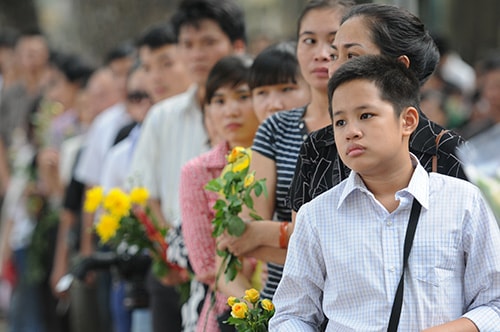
164, 303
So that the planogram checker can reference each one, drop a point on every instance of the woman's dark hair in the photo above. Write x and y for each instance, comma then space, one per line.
226, 13
323, 4
73, 67
230, 71
398, 32
276, 64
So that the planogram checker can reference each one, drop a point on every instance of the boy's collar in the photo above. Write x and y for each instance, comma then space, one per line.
418, 186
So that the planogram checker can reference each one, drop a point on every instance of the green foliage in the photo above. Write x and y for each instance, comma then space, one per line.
256, 318
235, 185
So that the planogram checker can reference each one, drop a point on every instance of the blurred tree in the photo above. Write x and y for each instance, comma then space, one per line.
19, 14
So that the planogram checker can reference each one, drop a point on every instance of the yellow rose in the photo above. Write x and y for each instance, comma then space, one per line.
267, 305
242, 163
139, 195
231, 301
93, 198
252, 295
117, 203
249, 180
107, 226
235, 153
239, 310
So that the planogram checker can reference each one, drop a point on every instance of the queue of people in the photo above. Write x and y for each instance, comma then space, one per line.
352, 124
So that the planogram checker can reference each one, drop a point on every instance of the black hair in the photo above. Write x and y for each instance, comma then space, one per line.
276, 64
323, 4
398, 32
396, 83
157, 36
226, 13
8, 37
231, 70
73, 67
123, 50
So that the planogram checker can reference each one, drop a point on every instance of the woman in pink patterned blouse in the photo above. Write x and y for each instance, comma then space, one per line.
228, 106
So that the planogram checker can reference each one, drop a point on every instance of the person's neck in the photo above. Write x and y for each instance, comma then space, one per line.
317, 116
385, 185
33, 80
200, 94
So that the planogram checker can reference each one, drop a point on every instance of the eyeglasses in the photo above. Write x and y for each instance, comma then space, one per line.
136, 97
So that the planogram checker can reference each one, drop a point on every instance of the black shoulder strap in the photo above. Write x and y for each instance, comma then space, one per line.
410, 234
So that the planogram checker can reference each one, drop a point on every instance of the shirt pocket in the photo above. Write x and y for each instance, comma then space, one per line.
435, 259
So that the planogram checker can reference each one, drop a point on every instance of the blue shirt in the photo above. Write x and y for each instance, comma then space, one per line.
345, 259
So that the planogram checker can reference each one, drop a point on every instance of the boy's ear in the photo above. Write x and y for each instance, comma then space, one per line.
239, 47
409, 119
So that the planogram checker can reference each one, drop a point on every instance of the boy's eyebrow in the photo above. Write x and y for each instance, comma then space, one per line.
334, 33
338, 113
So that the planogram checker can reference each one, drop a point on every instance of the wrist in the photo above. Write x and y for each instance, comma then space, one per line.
283, 239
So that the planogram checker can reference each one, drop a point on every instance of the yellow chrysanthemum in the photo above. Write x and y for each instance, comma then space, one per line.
107, 226
93, 198
139, 195
239, 310
249, 180
267, 305
231, 301
117, 203
252, 295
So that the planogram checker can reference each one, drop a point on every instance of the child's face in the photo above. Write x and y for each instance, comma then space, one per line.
368, 134
233, 116
269, 99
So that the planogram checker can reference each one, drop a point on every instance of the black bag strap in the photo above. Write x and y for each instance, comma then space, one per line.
410, 234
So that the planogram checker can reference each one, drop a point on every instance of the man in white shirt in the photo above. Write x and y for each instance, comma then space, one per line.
346, 260
173, 131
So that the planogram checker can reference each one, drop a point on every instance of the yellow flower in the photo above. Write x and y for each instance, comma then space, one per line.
231, 301
252, 295
93, 199
107, 226
242, 163
139, 195
267, 305
236, 153
249, 180
117, 203
239, 310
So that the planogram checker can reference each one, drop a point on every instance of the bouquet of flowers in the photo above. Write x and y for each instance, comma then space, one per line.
250, 319
481, 161
235, 185
126, 220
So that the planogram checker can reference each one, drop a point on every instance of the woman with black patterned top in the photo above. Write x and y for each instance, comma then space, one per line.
394, 32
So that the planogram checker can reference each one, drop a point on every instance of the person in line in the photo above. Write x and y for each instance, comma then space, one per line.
276, 81
395, 32
228, 99
278, 140
173, 133
353, 234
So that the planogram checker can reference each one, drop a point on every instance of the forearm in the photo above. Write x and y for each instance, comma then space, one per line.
155, 205
4, 169
86, 245
269, 254
458, 325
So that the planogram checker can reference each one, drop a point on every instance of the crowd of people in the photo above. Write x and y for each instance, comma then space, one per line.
349, 123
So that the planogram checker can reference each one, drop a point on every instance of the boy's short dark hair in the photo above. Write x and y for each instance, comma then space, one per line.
73, 67
226, 13
396, 83
157, 36
276, 64
123, 50
231, 70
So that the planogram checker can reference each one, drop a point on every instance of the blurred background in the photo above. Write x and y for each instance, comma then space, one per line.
92, 27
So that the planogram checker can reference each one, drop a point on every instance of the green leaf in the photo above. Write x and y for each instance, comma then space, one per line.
255, 216
219, 204
213, 185
248, 201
